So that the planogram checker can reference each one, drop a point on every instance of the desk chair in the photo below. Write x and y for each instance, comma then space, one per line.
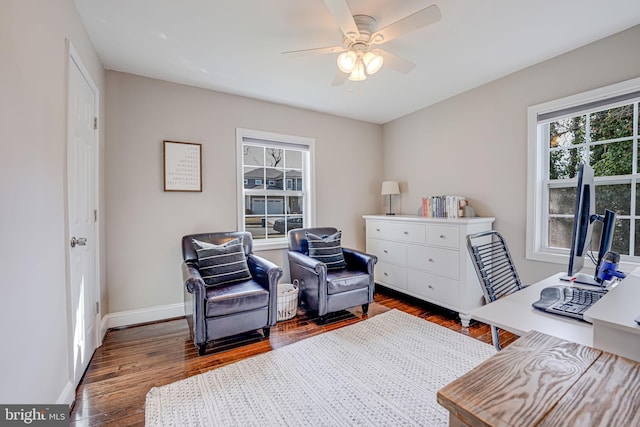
495, 269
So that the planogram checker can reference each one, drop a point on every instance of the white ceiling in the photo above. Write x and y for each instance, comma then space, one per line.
235, 46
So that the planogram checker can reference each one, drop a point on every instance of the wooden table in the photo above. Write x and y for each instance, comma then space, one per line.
541, 380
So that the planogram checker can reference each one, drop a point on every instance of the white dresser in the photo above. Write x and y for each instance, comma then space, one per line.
427, 258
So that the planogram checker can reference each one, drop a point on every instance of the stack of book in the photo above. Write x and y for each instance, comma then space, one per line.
443, 206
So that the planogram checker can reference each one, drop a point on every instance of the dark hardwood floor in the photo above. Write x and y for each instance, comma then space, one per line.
132, 360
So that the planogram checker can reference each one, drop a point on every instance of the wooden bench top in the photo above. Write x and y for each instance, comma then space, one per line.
541, 380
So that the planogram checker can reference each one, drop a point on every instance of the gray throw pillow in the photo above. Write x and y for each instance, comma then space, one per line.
327, 249
222, 264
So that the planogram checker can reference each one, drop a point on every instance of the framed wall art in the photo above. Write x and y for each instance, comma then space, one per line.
182, 166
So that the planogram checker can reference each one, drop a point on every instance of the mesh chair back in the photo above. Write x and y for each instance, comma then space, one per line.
493, 264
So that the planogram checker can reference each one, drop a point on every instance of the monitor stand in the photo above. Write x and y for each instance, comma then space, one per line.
583, 279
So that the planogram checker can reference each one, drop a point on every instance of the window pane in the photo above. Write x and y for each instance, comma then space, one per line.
615, 158
612, 123
274, 179
275, 205
560, 232
294, 205
562, 200
294, 159
256, 226
567, 132
563, 164
253, 156
638, 203
254, 178
274, 157
254, 205
293, 179
620, 242
615, 197
282, 225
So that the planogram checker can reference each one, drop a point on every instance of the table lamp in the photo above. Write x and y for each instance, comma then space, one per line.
390, 188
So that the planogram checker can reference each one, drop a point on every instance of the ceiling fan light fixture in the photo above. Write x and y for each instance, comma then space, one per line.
372, 61
358, 73
347, 61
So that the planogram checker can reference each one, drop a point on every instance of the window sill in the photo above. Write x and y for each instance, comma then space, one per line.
270, 245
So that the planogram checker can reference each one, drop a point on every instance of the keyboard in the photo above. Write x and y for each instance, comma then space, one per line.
568, 301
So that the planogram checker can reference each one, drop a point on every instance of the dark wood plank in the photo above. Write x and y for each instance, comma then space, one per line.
133, 360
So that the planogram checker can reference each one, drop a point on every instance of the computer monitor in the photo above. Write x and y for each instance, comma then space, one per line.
584, 217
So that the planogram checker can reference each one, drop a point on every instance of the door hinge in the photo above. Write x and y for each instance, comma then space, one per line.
97, 307
95, 215
95, 123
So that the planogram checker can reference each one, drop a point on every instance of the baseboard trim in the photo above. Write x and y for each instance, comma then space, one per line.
143, 315
67, 396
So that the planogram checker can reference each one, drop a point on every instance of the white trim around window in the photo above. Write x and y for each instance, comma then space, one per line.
307, 192
538, 159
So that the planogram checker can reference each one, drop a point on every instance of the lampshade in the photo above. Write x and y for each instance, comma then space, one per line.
390, 187
372, 61
347, 61
358, 73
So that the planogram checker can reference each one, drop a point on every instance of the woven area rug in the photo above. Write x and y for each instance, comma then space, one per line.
383, 371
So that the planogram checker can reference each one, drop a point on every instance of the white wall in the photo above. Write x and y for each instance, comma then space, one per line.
33, 298
475, 144
145, 224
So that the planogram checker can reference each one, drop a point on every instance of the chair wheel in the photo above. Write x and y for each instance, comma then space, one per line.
266, 332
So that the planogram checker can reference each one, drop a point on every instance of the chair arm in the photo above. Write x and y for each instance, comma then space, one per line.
308, 263
192, 278
358, 260
267, 275
312, 277
195, 303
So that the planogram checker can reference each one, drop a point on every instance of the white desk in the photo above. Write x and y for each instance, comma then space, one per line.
613, 330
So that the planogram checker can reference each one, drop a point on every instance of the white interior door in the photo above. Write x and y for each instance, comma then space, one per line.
81, 182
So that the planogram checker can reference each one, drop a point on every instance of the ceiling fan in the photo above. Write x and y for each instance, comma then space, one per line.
359, 55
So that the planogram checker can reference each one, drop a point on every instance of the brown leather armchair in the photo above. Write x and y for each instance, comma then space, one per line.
227, 309
329, 290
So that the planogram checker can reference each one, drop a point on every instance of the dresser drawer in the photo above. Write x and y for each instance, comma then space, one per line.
387, 251
397, 231
434, 288
443, 235
389, 274
443, 262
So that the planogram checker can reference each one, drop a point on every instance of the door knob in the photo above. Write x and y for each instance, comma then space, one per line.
80, 241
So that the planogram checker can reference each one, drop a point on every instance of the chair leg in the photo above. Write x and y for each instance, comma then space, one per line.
202, 348
495, 337
266, 331
365, 308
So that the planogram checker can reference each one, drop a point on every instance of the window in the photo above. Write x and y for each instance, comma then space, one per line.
601, 128
284, 164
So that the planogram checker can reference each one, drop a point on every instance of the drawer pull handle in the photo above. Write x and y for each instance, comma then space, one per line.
431, 260
385, 251
429, 286
442, 236
377, 229
406, 232
385, 273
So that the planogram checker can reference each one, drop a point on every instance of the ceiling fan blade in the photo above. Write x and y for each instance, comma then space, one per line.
341, 13
340, 79
396, 62
422, 18
314, 51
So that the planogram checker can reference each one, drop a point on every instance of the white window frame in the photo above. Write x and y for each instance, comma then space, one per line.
256, 137
538, 163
